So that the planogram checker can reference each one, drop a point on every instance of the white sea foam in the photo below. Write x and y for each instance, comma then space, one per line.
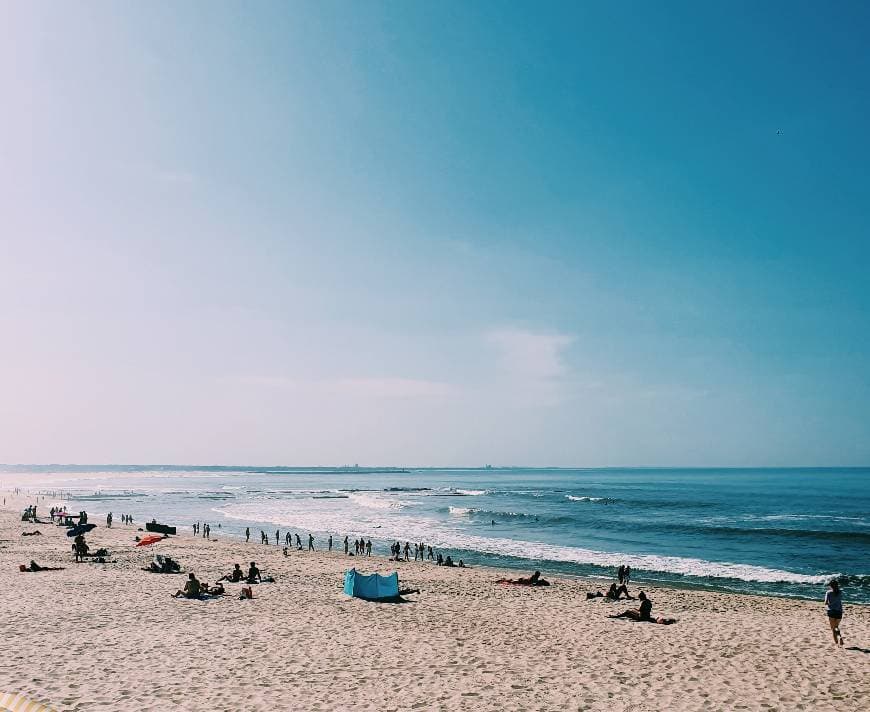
376, 501
335, 516
583, 499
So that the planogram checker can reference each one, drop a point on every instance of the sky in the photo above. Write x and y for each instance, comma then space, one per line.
413, 233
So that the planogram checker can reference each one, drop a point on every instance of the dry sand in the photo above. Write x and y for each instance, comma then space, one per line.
110, 637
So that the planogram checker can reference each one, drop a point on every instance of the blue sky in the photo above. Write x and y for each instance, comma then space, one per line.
434, 233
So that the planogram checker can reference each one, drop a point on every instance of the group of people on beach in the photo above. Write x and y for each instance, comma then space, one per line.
29, 514
193, 588
125, 519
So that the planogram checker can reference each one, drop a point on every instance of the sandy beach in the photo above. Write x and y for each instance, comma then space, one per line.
109, 637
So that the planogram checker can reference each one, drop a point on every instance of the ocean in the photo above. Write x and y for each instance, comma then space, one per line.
781, 532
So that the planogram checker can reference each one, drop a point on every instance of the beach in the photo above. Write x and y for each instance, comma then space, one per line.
110, 636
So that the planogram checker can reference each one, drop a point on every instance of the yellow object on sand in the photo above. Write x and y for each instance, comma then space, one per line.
15, 702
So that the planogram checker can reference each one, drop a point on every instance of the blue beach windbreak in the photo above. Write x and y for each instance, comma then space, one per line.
371, 586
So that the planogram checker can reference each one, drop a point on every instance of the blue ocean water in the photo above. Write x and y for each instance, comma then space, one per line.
768, 531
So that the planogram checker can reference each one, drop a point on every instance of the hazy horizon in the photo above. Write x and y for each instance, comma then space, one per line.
434, 234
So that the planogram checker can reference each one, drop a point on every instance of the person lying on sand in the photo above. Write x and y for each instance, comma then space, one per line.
216, 590
643, 613
533, 580
36, 533
36, 567
191, 589
235, 575
613, 593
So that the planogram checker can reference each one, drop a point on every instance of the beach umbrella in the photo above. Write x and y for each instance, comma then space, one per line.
150, 539
15, 702
80, 529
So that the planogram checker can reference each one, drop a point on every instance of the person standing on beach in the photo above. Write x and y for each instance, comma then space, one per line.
330, 542
310, 542
298, 542
620, 574
369, 547
108, 520
627, 574
247, 534
277, 536
834, 609
208, 531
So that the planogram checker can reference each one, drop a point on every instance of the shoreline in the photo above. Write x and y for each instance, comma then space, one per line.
511, 564
108, 636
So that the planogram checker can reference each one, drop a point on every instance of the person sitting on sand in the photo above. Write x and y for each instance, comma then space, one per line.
637, 614
449, 561
643, 613
462, 565
191, 588
254, 574
235, 575
216, 590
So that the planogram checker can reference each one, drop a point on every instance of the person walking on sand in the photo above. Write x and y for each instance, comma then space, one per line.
298, 542
834, 609
345, 545
369, 547
109, 520
288, 539
310, 542
247, 534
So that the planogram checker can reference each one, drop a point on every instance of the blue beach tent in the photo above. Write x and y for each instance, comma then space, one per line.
371, 587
